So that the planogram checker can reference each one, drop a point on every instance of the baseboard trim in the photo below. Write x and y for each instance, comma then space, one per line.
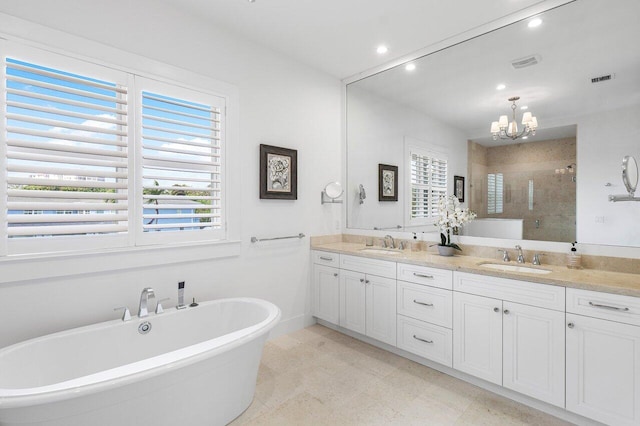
292, 324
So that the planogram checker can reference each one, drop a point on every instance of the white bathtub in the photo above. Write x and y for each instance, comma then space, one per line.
196, 366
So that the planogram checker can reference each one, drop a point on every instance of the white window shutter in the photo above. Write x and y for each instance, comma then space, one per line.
181, 188
66, 153
428, 184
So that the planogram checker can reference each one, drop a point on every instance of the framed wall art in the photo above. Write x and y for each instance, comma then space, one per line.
458, 188
387, 182
278, 173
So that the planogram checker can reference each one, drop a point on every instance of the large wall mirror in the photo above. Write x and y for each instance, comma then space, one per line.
575, 70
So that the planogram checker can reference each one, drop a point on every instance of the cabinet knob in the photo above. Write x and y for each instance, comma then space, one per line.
571, 325
506, 312
335, 274
361, 280
496, 309
367, 281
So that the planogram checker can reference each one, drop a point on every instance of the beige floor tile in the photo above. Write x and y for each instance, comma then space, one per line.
318, 376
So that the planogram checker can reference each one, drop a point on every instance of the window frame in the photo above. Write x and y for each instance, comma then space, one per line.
105, 71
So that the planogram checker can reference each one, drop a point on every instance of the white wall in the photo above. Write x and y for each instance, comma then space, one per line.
376, 133
603, 140
280, 102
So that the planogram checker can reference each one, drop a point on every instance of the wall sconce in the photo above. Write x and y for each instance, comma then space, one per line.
331, 193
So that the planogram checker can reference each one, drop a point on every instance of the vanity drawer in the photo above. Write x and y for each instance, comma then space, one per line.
527, 293
426, 340
381, 268
429, 304
326, 258
424, 275
614, 307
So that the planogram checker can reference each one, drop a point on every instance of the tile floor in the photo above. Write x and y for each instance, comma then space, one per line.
317, 376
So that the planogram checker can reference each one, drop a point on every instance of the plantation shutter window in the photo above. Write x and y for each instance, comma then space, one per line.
67, 153
428, 182
181, 162
99, 158
495, 190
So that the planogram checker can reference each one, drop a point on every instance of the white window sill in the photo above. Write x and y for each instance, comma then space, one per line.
50, 265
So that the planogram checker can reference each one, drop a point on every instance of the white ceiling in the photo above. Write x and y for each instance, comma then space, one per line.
340, 36
576, 42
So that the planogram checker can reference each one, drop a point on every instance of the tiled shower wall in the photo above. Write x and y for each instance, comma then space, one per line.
552, 217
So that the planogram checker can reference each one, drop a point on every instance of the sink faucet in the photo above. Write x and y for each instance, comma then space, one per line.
505, 255
520, 255
147, 293
393, 242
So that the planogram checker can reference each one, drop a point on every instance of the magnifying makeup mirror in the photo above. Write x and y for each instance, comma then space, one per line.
630, 174
331, 193
629, 178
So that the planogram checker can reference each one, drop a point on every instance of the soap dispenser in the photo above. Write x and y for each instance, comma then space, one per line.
574, 260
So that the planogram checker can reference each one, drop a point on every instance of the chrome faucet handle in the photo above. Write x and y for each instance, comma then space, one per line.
159, 308
126, 316
536, 258
505, 255
520, 258
402, 245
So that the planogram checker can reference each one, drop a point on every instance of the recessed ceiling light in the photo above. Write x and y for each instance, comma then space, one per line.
501, 87
382, 49
524, 107
410, 67
535, 22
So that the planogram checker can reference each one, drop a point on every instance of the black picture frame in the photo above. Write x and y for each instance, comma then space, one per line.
387, 182
278, 173
458, 188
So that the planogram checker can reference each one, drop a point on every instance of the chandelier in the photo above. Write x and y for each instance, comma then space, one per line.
504, 129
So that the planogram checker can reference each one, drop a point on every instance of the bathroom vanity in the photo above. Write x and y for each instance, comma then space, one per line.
568, 338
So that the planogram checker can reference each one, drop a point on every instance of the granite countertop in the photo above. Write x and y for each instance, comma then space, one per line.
587, 279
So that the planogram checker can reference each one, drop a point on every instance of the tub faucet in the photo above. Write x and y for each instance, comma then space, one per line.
520, 255
147, 293
393, 242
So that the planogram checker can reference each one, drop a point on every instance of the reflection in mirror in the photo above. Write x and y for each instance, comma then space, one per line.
583, 94
630, 174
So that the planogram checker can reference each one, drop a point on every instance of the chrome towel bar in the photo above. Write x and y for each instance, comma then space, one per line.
255, 239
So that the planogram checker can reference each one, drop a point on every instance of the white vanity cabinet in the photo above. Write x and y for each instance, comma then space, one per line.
424, 305
368, 301
325, 298
508, 338
603, 356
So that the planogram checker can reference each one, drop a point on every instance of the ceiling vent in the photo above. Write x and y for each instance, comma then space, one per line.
602, 78
526, 61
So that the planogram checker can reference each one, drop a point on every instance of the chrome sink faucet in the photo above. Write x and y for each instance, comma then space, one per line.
393, 242
146, 294
505, 255
520, 258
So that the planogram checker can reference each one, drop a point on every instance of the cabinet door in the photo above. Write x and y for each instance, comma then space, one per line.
477, 336
533, 352
352, 301
381, 309
603, 370
326, 293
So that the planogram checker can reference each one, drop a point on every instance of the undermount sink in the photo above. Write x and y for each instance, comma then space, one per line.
379, 251
514, 268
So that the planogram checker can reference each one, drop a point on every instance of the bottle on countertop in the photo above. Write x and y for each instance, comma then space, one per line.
574, 260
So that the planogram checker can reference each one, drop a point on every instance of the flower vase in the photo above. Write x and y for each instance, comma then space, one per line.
445, 250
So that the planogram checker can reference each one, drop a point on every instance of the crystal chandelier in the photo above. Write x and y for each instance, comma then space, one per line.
504, 129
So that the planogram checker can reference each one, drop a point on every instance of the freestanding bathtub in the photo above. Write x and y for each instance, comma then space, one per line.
196, 366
